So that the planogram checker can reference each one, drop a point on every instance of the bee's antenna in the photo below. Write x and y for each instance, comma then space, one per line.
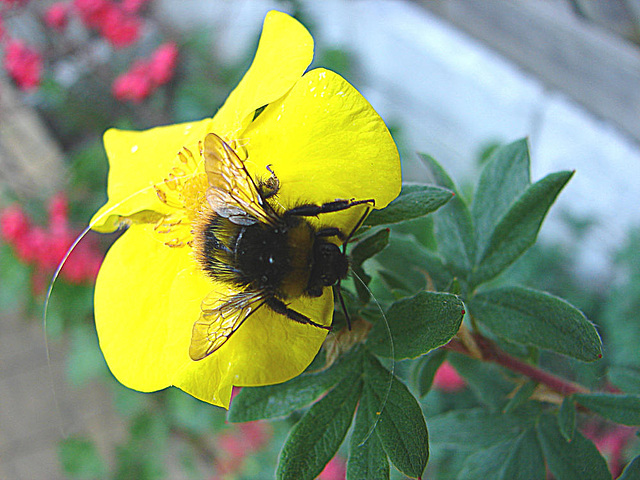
336, 289
392, 353
45, 310
49, 294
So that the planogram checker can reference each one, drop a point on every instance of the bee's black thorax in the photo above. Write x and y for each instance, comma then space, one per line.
285, 261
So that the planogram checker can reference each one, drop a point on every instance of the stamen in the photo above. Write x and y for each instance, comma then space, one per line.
172, 182
182, 157
175, 243
161, 195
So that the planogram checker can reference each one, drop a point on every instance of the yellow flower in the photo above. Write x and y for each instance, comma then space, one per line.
324, 142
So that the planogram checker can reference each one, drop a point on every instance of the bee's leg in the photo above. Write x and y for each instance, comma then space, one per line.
312, 210
280, 307
331, 232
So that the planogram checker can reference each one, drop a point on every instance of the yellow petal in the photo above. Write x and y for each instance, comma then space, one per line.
144, 317
284, 53
324, 141
146, 299
267, 349
138, 160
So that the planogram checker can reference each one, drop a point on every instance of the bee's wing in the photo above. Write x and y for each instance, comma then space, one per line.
219, 319
232, 192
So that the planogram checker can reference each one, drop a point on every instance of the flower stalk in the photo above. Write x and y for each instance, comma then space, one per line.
492, 353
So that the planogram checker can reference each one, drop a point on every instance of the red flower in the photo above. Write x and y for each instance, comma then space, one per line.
57, 15
92, 12
448, 379
255, 435
133, 6
145, 76
83, 264
611, 442
163, 63
23, 64
14, 223
134, 85
121, 29
46, 248
14, 3
334, 470
116, 22
58, 211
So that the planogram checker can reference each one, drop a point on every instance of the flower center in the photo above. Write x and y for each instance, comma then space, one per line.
183, 190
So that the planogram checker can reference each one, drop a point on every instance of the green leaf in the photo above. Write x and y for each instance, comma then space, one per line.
525, 459
255, 403
369, 246
425, 370
367, 458
486, 381
476, 428
401, 426
418, 324
626, 378
631, 471
575, 460
624, 409
518, 228
414, 201
80, 459
362, 251
513, 459
486, 463
503, 179
315, 439
530, 317
422, 229
420, 268
567, 418
360, 277
453, 224
520, 396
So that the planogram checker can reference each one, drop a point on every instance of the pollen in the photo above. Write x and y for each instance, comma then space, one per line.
184, 191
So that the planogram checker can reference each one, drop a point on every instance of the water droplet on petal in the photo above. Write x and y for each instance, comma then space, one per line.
134, 149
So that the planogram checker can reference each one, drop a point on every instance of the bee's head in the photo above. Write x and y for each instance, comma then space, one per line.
330, 265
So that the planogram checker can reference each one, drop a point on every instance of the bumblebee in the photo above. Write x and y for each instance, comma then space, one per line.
267, 255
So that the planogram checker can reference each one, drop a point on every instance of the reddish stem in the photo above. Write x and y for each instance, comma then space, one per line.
490, 352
